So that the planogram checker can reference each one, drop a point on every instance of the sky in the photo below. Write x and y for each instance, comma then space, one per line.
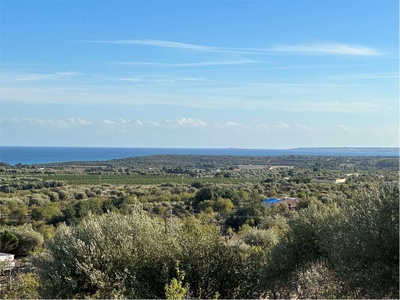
200, 74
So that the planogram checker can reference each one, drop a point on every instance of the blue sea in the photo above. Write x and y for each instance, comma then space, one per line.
41, 155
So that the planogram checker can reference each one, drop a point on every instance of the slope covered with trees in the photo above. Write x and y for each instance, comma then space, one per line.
203, 238
329, 252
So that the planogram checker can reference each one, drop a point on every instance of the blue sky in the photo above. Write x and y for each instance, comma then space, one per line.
246, 74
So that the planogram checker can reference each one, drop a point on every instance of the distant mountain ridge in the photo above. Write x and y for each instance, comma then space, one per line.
350, 149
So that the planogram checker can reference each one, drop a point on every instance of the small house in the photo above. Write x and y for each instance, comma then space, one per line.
340, 180
7, 261
290, 201
271, 201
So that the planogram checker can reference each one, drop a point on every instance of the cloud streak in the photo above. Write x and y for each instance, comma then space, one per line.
310, 49
198, 99
192, 64
361, 76
36, 77
328, 48
177, 45
54, 124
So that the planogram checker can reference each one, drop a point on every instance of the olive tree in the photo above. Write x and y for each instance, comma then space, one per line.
111, 256
135, 256
29, 239
8, 241
364, 244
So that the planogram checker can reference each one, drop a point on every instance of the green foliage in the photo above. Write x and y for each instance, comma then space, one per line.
338, 244
134, 256
47, 231
223, 206
90, 179
278, 223
24, 286
8, 241
303, 244
214, 193
316, 281
265, 239
364, 244
206, 206
38, 199
175, 290
80, 196
112, 256
251, 214
210, 266
45, 213
81, 209
359, 245
19, 213
29, 240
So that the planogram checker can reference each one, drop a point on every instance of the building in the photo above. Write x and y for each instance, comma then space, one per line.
336, 180
352, 174
290, 201
7, 261
272, 201
340, 180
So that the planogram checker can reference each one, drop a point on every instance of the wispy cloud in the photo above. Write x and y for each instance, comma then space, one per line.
328, 48
130, 79
360, 76
155, 79
334, 106
35, 77
177, 45
54, 124
342, 127
192, 64
148, 42
264, 99
317, 48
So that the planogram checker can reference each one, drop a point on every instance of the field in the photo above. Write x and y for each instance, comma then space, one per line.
124, 179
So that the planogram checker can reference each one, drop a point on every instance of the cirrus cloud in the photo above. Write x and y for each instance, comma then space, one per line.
310, 49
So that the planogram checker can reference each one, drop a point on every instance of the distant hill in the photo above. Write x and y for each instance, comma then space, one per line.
351, 149
229, 161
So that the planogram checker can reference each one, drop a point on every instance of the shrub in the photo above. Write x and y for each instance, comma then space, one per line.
29, 239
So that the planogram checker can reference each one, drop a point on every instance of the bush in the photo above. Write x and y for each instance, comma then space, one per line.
265, 239
38, 199
29, 239
24, 286
135, 256
364, 244
8, 241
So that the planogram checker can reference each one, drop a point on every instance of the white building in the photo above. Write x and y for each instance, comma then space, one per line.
7, 261
340, 180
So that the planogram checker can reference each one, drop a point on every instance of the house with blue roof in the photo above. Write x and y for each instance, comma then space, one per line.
271, 201
291, 202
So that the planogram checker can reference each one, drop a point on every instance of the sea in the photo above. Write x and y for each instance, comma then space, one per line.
41, 155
